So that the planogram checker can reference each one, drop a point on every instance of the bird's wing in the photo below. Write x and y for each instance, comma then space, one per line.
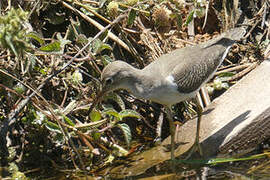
197, 67
191, 67
191, 78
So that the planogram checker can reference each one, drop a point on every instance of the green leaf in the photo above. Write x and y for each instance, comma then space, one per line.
179, 20
99, 46
129, 113
115, 97
106, 60
226, 74
62, 41
36, 37
95, 45
42, 71
19, 88
103, 47
52, 47
131, 17
96, 135
70, 107
68, 121
126, 131
52, 127
77, 77
190, 17
8, 39
95, 116
111, 112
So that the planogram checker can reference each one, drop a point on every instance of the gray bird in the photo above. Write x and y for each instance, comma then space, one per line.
172, 78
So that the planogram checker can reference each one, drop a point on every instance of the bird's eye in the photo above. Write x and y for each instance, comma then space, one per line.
108, 81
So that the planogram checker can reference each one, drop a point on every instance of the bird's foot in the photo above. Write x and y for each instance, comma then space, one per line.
196, 147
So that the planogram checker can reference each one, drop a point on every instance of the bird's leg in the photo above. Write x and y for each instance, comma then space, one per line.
172, 131
197, 139
196, 146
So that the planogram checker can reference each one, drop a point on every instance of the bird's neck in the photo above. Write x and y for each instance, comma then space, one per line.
137, 82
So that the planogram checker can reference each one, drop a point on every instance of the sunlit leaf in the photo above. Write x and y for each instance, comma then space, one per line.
36, 37
129, 113
131, 17
32, 59
77, 77
226, 74
103, 47
111, 112
190, 17
68, 121
39, 119
95, 116
52, 127
52, 47
126, 131
225, 85
109, 160
42, 71
217, 84
200, 12
96, 135
19, 88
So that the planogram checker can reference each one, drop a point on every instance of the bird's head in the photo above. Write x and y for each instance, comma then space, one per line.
115, 75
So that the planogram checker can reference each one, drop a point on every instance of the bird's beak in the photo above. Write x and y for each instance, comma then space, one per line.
97, 100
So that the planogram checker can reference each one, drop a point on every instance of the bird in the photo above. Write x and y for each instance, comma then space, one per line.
172, 78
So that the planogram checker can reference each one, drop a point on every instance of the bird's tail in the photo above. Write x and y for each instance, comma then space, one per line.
235, 34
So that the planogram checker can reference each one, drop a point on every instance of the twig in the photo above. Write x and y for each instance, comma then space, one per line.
245, 71
99, 26
252, 28
93, 12
235, 68
206, 14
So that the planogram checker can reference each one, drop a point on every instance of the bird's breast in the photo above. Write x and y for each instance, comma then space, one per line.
166, 92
